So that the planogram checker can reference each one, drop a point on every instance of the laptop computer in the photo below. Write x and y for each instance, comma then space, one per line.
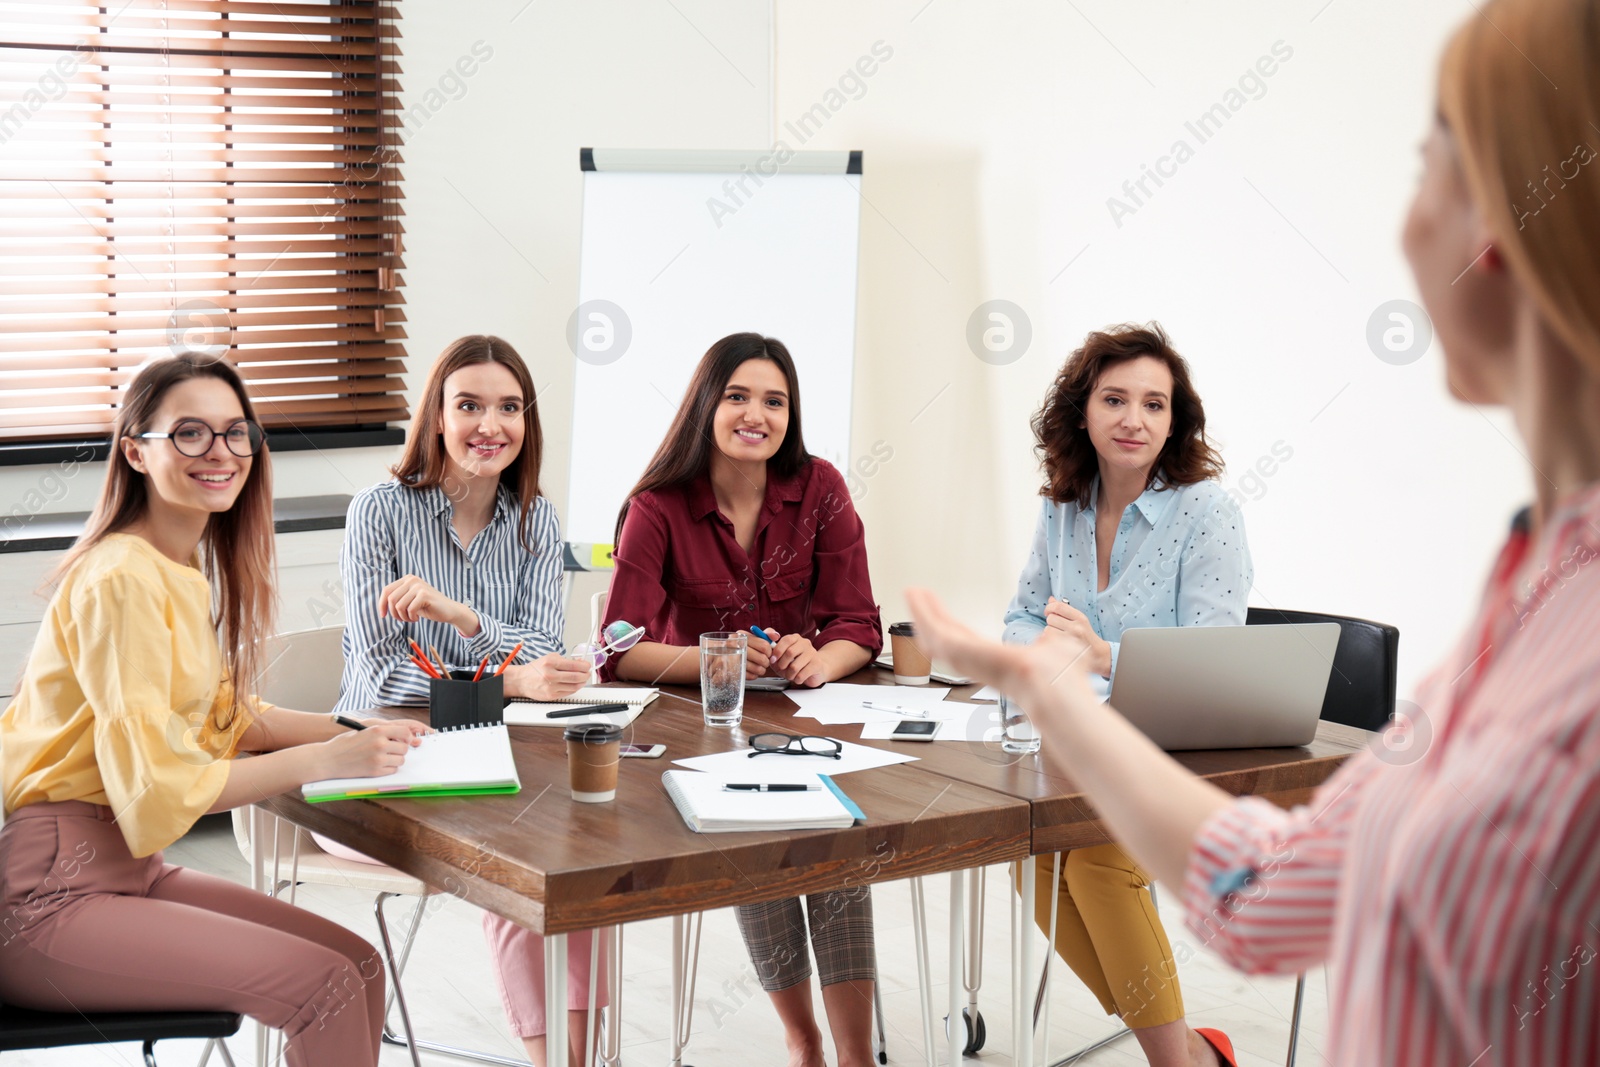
1193, 687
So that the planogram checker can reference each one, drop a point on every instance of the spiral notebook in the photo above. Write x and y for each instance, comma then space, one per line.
454, 762
537, 713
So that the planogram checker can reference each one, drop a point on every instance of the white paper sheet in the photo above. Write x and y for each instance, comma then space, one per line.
972, 722
737, 766
1100, 685
840, 703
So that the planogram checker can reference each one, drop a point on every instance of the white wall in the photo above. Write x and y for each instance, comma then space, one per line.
993, 138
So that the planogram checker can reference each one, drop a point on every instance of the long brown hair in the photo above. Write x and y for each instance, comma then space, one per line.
237, 549
425, 463
1069, 457
1528, 149
685, 453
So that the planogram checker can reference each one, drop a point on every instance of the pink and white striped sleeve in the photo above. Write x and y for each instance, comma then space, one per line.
1262, 882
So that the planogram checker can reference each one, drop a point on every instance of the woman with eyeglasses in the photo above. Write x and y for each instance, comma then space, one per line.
123, 732
1448, 875
461, 553
733, 526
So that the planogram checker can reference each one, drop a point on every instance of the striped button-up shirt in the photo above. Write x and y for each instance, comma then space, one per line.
1449, 876
393, 530
1179, 559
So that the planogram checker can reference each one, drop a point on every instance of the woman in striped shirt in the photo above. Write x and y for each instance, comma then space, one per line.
460, 553
1448, 876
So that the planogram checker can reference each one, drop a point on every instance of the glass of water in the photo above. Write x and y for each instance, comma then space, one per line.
1019, 736
722, 677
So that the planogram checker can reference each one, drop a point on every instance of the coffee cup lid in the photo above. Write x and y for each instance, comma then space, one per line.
593, 733
903, 629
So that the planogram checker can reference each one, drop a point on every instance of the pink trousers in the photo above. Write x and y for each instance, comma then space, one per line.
87, 927
519, 963
519, 971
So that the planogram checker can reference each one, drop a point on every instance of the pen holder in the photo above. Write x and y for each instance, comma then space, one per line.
459, 701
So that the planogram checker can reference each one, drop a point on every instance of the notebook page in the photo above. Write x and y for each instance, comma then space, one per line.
477, 756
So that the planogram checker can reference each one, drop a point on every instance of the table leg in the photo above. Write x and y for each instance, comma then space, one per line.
685, 964
1022, 966
954, 1032
1050, 947
555, 997
258, 881
919, 916
592, 1028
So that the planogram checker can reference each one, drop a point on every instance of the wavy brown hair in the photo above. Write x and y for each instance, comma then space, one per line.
236, 550
1068, 455
685, 453
425, 463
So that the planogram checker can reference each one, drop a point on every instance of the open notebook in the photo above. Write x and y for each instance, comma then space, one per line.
709, 809
531, 713
460, 761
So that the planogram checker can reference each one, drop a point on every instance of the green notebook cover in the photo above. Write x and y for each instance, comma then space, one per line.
378, 794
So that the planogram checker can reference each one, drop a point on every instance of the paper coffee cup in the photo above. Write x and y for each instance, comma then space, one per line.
911, 664
593, 752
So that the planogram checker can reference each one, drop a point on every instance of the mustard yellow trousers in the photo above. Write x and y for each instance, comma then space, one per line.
1109, 933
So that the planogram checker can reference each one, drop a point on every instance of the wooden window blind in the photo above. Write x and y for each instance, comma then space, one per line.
215, 174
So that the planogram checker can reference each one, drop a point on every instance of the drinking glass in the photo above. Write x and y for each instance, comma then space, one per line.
722, 677
1019, 736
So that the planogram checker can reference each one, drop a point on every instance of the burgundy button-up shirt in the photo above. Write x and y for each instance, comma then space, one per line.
680, 571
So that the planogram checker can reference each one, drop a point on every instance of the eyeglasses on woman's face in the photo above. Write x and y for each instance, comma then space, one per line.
193, 438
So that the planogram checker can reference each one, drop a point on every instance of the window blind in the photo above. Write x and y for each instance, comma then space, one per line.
212, 174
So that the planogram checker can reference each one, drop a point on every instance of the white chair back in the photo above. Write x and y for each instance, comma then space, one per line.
303, 672
304, 669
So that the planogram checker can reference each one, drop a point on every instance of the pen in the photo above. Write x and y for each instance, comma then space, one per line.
759, 632
768, 787
348, 723
501, 669
914, 713
586, 709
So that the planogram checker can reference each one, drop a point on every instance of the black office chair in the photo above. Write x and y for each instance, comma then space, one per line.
23, 1029
1361, 688
1361, 693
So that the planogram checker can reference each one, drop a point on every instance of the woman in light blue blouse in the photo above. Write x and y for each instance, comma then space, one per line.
1134, 530
461, 553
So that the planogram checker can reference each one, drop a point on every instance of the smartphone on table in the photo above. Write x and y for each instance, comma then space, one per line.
915, 730
632, 751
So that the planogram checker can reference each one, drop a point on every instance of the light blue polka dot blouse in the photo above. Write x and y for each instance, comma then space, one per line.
1179, 559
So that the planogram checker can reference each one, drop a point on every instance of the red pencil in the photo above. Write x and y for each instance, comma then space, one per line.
425, 667
509, 658
481, 666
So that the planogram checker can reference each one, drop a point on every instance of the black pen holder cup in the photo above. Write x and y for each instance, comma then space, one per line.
459, 701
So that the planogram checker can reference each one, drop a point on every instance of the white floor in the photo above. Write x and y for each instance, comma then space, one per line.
453, 998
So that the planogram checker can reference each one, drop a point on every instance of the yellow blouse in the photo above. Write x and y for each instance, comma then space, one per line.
114, 705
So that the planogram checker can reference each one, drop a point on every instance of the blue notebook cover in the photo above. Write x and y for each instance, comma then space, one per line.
850, 805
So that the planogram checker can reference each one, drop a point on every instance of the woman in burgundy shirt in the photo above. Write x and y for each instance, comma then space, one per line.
732, 526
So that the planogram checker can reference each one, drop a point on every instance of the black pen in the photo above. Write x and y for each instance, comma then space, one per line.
348, 723
768, 787
585, 709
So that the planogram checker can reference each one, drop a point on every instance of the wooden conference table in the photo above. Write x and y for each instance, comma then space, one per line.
556, 866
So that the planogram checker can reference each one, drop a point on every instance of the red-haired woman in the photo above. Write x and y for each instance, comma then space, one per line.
1134, 530
461, 553
1448, 876
122, 734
